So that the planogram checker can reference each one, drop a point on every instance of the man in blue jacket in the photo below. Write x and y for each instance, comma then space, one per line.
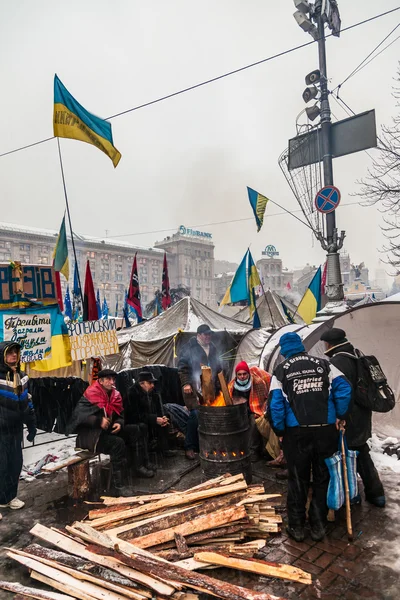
308, 398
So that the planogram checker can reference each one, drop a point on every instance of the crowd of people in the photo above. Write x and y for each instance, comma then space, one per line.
295, 415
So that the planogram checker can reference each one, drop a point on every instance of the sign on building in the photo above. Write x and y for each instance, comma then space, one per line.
32, 332
193, 232
270, 251
26, 282
93, 338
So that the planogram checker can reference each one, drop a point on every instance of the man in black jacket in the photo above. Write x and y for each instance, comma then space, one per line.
198, 352
16, 409
359, 421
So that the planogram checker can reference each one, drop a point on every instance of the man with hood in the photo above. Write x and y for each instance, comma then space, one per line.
16, 409
343, 355
309, 398
198, 352
98, 420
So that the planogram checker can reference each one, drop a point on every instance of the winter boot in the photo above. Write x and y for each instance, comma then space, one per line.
317, 532
118, 487
296, 532
379, 501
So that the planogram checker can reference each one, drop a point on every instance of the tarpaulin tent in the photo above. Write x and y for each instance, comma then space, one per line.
274, 312
158, 340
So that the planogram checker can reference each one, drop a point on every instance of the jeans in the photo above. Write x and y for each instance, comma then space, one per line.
192, 431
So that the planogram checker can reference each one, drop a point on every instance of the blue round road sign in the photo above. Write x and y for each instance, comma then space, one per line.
327, 199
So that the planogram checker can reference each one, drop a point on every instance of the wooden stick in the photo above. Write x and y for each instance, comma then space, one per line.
207, 386
255, 566
346, 491
17, 588
58, 585
224, 389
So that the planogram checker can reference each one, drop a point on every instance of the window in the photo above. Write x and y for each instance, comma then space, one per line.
118, 276
5, 256
25, 247
5, 244
26, 258
43, 260
90, 254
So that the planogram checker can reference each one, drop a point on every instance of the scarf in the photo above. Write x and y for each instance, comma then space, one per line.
206, 347
17, 386
96, 394
242, 386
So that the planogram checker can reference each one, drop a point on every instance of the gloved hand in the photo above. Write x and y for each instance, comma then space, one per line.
31, 435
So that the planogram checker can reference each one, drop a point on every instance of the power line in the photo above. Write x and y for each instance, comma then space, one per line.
217, 223
208, 81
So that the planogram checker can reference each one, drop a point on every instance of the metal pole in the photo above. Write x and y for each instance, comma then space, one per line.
332, 244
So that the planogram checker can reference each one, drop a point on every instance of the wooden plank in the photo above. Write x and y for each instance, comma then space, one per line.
17, 588
201, 523
176, 500
83, 575
224, 389
181, 544
109, 501
65, 543
196, 581
260, 498
136, 524
256, 566
71, 460
207, 386
58, 585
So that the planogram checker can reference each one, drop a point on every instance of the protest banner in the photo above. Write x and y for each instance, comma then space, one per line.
19, 284
32, 332
93, 338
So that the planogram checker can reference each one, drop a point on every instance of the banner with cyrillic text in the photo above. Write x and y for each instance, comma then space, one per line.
93, 338
32, 332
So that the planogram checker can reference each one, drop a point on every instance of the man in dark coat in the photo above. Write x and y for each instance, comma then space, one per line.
308, 398
145, 406
98, 420
198, 352
359, 422
16, 409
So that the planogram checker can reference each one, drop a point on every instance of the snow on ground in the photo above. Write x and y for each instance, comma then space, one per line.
57, 447
383, 462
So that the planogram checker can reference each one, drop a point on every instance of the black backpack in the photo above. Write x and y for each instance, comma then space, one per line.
372, 390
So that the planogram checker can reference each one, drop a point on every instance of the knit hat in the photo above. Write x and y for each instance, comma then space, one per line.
291, 344
334, 336
242, 366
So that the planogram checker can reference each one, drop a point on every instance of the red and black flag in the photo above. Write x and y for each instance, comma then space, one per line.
166, 296
133, 298
90, 312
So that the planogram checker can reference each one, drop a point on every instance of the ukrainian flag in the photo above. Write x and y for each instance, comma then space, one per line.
73, 121
258, 204
60, 254
310, 304
238, 291
60, 344
254, 281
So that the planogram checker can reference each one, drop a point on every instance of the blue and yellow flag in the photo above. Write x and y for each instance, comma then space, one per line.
73, 121
238, 290
254, 281
258, 204
310, 304
60, 254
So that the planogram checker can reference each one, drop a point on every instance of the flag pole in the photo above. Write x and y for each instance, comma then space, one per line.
69, 216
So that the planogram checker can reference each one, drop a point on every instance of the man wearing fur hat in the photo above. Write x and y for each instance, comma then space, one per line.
16, 410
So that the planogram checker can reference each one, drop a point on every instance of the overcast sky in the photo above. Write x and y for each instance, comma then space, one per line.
186, 160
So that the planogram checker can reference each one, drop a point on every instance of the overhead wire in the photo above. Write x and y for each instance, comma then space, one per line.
212, 80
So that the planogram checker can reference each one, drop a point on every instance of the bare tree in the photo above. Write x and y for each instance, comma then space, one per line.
382, 185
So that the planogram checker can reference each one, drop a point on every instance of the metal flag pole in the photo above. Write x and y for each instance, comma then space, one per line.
69, 218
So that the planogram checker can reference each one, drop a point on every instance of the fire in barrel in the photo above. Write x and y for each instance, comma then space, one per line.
223, 431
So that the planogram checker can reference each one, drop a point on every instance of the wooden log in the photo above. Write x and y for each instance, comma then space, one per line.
77, 563
17, 588
71, 460
181, 544
241, 549
175, 500
138, 522
256, 566
61, 541
209, 535
201, 523
224, 389
79, 480
207, 386
197, 581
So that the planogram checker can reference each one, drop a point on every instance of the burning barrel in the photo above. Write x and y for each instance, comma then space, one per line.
224, 440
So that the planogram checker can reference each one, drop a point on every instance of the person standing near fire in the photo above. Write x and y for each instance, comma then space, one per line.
198, 352
252, 384
16, 409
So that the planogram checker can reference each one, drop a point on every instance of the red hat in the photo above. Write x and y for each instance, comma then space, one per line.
242, 366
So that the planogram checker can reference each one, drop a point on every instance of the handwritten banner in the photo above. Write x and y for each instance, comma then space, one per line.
21, 283
32, 332
93, 338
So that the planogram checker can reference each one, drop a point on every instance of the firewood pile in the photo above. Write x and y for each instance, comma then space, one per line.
152, 546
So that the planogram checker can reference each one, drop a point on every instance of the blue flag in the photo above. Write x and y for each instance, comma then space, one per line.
238, 289
116, 308
77, 288
105, 309
258, 203
67, 304
98, 303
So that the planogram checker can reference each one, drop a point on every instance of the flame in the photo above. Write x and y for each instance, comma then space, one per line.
224, 453
234, 454
241, 453
219, 400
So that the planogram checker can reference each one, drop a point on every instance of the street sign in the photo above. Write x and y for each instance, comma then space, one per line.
327, 200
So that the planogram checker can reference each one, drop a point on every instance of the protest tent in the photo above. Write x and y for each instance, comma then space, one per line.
158, 340
273, 311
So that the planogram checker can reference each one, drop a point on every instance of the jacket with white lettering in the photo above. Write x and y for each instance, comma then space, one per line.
307, 390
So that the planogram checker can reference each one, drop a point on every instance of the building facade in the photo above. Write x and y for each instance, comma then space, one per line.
190, 255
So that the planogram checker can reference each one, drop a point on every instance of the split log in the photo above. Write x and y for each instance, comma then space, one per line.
256, 566
79, 480
197, 581
58, 585
201, 523
174, 555
205, 536
224, 389
207, 386
181, 544
140, 499
71, 460
175, 500
17, 588
254, 499
61, 541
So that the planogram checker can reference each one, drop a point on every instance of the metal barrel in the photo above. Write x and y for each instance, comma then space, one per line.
224, 440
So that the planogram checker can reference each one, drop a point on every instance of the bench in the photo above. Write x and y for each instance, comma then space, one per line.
78, 473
